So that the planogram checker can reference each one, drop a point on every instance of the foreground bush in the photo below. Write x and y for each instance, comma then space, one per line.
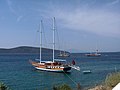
62, 87
112, 79
3, 86
110, 82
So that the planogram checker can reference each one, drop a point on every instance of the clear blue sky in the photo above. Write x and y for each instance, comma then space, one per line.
83, 25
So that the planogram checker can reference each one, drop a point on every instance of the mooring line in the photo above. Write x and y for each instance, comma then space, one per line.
70, 78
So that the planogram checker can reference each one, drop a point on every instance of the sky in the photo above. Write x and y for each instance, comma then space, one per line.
82, 25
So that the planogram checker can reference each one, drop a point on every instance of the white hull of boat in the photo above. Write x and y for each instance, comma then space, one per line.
63, 55
50, 70
86, 71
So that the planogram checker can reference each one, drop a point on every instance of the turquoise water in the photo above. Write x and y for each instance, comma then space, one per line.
18, 74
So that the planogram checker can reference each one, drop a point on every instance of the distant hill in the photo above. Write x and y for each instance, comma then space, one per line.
26, 49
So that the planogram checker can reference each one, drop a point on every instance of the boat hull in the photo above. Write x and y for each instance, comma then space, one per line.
54, 70
93, 55
87, 72
51, 68
63, 55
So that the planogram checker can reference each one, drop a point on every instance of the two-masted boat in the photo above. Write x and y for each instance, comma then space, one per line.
63, 54
54, 65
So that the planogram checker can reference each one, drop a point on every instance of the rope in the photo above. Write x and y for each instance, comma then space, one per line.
44, 34
71, 79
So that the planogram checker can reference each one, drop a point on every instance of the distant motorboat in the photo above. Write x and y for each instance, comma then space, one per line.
96, 54
93, 54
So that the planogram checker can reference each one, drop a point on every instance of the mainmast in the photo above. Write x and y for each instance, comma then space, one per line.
40, 39
53, 39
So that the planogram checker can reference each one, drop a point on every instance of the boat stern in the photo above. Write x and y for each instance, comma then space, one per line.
66, 69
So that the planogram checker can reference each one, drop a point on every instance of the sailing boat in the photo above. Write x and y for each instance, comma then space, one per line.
55, 65
63, 54
96, 54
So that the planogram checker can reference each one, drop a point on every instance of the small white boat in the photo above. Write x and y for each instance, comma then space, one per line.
87, 71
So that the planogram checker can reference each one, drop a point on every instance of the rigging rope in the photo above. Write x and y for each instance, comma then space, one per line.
44, 34
43, 31
58, 39
70, 78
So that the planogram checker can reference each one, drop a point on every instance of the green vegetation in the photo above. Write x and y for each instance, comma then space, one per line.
110, 82
112, 79
62, 87
3, 86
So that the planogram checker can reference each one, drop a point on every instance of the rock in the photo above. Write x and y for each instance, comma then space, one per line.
101, 87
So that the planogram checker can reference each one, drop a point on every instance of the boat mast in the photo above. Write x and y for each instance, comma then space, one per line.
40, 39
53, 39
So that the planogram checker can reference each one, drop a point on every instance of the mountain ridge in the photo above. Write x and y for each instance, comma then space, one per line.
26, 49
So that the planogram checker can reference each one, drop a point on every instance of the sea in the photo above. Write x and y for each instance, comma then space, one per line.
18, 74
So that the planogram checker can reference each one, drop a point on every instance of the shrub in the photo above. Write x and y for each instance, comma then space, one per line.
3, 86
62, 87
112, 79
